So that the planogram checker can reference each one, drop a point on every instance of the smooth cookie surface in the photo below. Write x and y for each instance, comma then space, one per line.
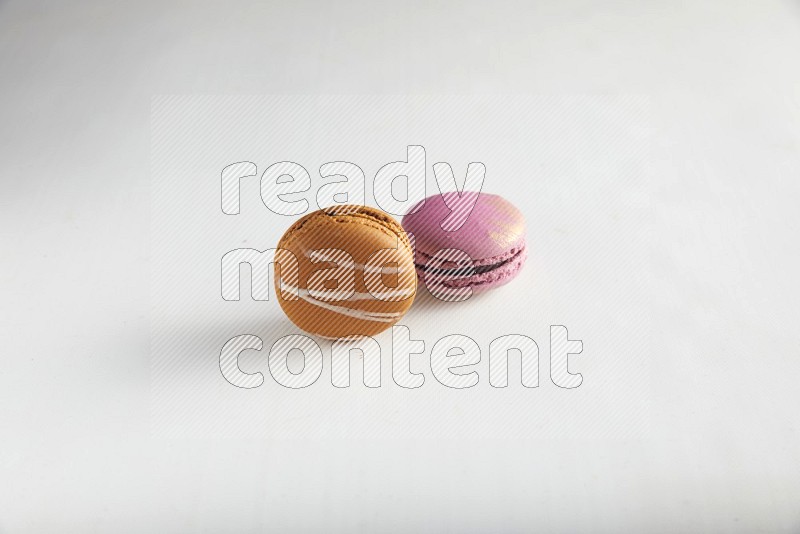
354, 272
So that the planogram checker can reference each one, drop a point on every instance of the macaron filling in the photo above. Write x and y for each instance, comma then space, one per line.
484, 271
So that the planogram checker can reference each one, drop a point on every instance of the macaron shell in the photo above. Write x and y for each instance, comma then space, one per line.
360, 232
494, 227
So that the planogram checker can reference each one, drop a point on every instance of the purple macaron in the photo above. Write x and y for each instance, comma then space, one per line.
486, 250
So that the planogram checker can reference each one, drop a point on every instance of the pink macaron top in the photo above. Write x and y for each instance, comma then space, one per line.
493, 229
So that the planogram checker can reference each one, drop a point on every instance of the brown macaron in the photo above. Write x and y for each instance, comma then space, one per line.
345, 271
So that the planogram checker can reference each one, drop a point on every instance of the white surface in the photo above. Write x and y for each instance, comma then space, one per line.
575, 166
721, 448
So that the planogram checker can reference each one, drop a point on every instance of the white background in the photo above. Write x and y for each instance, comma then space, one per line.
720, 447
576, 167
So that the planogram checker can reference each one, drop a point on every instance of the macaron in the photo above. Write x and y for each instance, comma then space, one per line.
345, 271
487, 251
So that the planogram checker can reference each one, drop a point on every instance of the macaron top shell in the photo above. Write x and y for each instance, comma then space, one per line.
494, 228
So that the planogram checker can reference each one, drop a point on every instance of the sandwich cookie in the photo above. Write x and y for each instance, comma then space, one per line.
488, 250
345, 271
